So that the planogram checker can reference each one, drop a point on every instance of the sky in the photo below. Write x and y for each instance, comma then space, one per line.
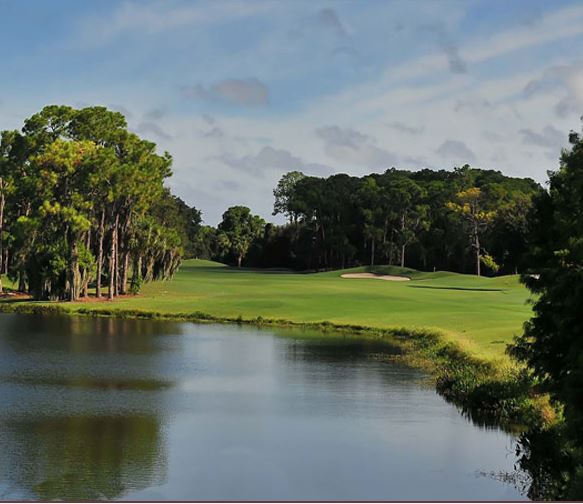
242, 91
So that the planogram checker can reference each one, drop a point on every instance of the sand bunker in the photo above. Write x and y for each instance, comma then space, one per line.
390, 278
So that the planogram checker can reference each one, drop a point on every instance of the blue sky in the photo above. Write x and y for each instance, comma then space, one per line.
239, 92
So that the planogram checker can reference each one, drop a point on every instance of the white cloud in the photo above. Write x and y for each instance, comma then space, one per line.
246, 92
451, 50
147, 128
567, 78
274, 160
351, 146
456, 152
150, 18
548, 137
405, 128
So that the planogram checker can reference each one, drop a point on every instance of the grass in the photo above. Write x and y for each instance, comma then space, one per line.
480, 314
457, 326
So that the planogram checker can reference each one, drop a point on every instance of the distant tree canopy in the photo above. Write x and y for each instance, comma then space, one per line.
237, 232
469, 206
461, 220
82, 202
457, 220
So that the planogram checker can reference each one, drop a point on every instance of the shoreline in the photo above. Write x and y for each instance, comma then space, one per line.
488, 392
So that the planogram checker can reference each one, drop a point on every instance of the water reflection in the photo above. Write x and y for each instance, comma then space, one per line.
542, 464
81, 406
83, 334
80, 457
543, 457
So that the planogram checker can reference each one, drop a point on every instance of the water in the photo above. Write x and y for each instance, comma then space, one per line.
146, 410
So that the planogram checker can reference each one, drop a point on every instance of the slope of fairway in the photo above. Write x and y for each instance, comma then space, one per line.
483, 314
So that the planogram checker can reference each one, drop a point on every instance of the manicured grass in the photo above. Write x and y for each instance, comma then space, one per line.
481, 314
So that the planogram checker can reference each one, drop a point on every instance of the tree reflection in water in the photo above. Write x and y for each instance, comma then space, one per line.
76, 422
543, 463
82, 458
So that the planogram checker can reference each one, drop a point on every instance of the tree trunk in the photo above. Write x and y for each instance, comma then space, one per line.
101, 234
112, 261
391, 246
404, 244
239, 259
149, 274
137, 272
6, 260
125, 256
21, 280
74, 270
372, 252
125, 272
85, 276
477, 246
116, 256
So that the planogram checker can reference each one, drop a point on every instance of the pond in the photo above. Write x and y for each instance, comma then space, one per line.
97, 408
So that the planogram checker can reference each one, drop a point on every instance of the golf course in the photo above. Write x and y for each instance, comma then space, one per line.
481, 314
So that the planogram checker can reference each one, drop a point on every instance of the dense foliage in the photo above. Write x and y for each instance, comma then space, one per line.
82, 202
552, 344
462, 220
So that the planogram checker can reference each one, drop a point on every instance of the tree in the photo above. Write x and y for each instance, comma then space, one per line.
369, 199
238, 229
508, 233
469, 207
406, 203
204, 244
77, 192
284, 194
399, 216
552, 345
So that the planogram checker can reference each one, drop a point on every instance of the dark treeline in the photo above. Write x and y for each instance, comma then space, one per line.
82, 203
466, 220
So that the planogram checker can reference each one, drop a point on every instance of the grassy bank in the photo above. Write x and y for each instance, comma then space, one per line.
480, 314
456, 325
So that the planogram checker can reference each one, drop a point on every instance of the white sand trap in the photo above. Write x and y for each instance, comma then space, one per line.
390, 278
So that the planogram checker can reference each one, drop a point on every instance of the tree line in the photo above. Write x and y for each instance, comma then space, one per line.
83, 203
466, 220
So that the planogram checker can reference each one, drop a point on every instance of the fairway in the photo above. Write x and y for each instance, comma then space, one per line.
482, 314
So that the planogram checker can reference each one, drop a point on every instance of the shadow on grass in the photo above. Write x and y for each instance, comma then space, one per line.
11, 297
476, 289
240, 271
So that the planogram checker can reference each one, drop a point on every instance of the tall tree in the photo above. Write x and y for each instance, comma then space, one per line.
406, 200
469, 207
238, 229
284, 194
77, 187
552, 343
369, 202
